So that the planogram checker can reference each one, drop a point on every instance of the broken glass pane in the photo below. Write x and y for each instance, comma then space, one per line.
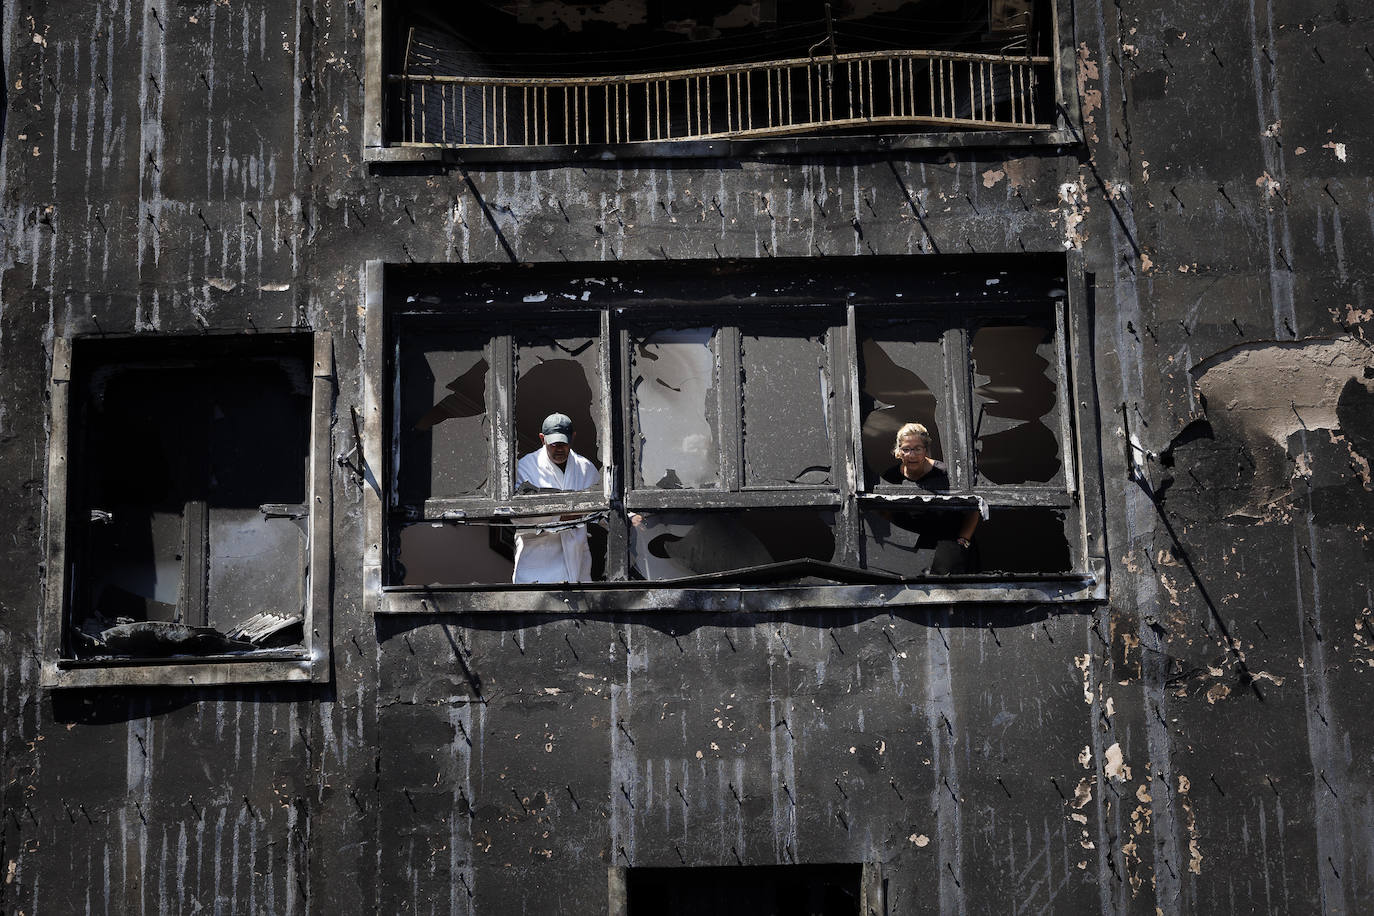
559, 372
445, 433
673, 380
672, 545
917, 539
1015, 409
785, 407
901, 380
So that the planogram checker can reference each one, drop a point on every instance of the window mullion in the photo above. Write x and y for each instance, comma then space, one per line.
958, 400
729, 398
195, 546
844, 412
501, 409
1066, 443
613, 352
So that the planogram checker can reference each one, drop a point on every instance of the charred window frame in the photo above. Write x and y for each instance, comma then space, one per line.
1046, 500
1006, 85
189, 511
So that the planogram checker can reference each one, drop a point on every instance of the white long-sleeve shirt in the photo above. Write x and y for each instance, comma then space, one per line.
554, 556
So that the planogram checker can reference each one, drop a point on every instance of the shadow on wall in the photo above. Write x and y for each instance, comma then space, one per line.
112, 705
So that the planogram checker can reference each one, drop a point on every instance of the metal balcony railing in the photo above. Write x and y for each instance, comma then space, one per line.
883, 89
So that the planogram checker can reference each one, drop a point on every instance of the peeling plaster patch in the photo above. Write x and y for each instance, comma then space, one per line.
1143, 796
1115, 768
1145, 263
920, 839
1016, 173
1271, 678
1337, 148
1265, 393
1217, 692
1355, 316
275, 287
1092, 98
1085, 757
1267, 182
1084, 793
1084, 663
1299, 151
992, 176
223, 284
1075, 198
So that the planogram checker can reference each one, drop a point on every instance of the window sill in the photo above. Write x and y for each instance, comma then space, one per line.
265, 666
633, 598
419, 154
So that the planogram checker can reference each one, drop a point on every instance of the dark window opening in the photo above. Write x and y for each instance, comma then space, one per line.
494, 73
188, 511
758, 890
732, 441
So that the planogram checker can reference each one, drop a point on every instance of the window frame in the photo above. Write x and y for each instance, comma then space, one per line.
1083, 521
379, 150
310, 663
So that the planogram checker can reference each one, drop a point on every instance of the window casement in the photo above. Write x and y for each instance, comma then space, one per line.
188, 518
489, 80
744, 443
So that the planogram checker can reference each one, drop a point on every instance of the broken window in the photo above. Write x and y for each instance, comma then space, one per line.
746, 444
489, 75
444, 418
785, 404
1015, 403
676, 407
188, 509
902, 380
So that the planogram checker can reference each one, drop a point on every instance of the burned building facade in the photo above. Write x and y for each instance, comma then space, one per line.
288, 289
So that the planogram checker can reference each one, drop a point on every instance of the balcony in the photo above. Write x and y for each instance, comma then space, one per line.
836, 94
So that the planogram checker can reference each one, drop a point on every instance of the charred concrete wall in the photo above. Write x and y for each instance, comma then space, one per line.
1195, 743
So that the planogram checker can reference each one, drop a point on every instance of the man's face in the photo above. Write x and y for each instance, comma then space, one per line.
558, 451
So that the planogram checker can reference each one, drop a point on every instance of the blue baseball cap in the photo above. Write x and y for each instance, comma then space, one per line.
558, 427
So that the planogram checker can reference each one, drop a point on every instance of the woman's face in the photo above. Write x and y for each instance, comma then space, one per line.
912, 452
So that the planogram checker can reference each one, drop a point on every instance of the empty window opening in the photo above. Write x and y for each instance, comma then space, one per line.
759, 890
899, 363
557, 373
188, 507
1017, 541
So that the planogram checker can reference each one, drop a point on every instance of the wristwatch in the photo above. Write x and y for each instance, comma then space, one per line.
963, 542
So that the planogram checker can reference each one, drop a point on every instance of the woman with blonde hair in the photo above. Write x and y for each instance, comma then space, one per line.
946, 532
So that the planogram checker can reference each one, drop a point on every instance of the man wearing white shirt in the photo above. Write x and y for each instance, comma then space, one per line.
559, 555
